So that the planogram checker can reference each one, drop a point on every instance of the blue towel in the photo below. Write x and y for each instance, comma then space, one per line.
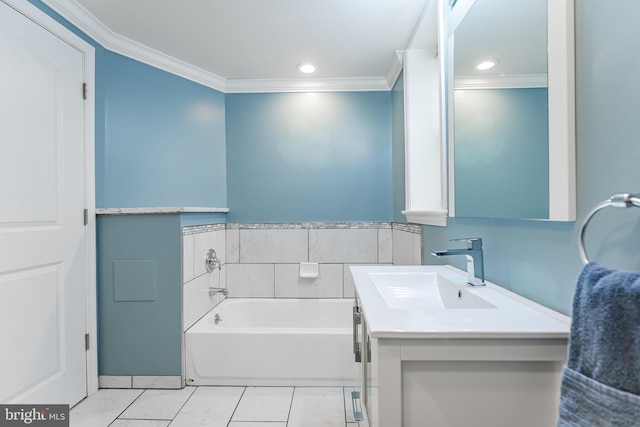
604, 344
604, 347
588, 403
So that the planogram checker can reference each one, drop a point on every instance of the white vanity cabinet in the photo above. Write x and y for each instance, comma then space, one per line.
440, 378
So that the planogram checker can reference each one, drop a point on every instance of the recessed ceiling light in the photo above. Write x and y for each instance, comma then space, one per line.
306, 67
487, 64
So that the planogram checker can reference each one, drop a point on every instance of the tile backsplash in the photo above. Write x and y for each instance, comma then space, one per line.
196, 281
263, 260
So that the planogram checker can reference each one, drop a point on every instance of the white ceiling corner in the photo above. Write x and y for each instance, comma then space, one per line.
425, 34
357, 40
94, 28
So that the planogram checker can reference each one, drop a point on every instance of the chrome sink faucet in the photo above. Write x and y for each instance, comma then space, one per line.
475, 260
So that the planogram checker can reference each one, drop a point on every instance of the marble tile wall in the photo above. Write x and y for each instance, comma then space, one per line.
196, 281
407, 244
263, 260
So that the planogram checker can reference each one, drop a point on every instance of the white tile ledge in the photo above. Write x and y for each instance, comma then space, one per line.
138, 381
158, 210
309, 225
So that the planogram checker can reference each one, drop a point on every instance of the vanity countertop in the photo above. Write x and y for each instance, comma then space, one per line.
435, 302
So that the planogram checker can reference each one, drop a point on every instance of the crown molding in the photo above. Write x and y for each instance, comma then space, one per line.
91, 26
395, 68
101, 34
508, 81
341, 84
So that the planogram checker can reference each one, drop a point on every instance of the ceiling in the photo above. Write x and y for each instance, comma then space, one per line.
243, 40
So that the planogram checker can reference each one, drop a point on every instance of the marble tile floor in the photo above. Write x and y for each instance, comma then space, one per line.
217, 407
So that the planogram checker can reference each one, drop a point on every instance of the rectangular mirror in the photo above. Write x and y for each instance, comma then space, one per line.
511, 127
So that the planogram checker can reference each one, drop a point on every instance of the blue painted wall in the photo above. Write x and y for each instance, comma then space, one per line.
309, 157
164, 138
139, 337
160, 139
191, 219
539, 259
397, 149
501, 152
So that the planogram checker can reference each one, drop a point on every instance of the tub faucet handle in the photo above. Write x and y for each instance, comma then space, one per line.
212, 261
213, 291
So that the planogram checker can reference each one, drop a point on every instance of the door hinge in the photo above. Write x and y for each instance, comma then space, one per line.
84, 91
86, 217
86, 341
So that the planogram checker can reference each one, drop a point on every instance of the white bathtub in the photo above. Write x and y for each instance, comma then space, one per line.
272, 342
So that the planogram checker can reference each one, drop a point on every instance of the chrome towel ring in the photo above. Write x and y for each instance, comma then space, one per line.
623, 200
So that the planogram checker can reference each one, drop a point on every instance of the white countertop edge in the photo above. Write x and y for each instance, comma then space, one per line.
387, 330
158, 210
470, 335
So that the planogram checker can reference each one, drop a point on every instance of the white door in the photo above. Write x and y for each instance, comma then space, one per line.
42, 232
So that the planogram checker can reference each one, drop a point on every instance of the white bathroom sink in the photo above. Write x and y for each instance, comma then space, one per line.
425, 291
436, 302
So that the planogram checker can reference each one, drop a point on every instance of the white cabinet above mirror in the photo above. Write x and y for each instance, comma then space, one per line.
425, 144
511, 128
